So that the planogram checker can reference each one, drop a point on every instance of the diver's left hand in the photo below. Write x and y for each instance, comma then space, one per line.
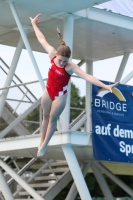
109, 87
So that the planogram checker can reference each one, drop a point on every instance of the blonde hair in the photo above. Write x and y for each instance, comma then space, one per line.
63, 50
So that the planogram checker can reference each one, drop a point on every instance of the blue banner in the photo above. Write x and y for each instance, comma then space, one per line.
112, 123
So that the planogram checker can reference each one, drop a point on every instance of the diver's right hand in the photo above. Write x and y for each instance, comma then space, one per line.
35, 20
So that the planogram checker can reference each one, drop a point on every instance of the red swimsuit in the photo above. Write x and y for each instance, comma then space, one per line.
57, 83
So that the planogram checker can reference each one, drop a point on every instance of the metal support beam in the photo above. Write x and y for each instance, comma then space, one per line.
102, 183
21, 171
19, 103
89, 70
106, 17
24, 84
21, 182
4, 187
115, 178
76, 172
10, 74
19, 119
16, 83
78, 122
16, 165
127, 78
27, 45
73, 190
1, 197
122, 66
68, 38
81, 63
36, 131
31, 178
68, 30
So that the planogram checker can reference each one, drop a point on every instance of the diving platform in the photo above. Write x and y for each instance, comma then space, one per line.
20, 146
81, 142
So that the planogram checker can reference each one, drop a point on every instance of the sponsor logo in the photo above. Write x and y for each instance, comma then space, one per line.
118, 106
58, 72
115, 91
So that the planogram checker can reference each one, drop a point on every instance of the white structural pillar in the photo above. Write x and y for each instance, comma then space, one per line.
73, 190
10, 74
89, 70
122, 66
27, 45
115, 178
67, 149
21, 182
76, 172
4, 187
102, 183
68, 38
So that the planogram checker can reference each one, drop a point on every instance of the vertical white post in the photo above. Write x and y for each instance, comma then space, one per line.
10, 74
21, 182
102, 183
76, 172
68, 38
122, 66
5, 188
73, 190
27, 45
89, 70
68, 30
67, 149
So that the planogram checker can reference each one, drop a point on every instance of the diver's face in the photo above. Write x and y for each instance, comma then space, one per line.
61, 60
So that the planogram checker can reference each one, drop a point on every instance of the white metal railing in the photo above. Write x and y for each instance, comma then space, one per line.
2, 68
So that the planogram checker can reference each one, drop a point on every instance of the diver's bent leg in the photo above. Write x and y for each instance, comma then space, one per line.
57, 107
52, 129
43, 130
46, 106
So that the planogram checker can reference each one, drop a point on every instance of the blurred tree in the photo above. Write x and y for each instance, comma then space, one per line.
76, 102
32, 120
3, 125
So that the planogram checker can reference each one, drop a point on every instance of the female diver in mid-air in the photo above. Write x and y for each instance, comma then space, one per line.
54, 96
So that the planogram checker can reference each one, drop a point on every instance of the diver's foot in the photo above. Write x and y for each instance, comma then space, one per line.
41, 152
